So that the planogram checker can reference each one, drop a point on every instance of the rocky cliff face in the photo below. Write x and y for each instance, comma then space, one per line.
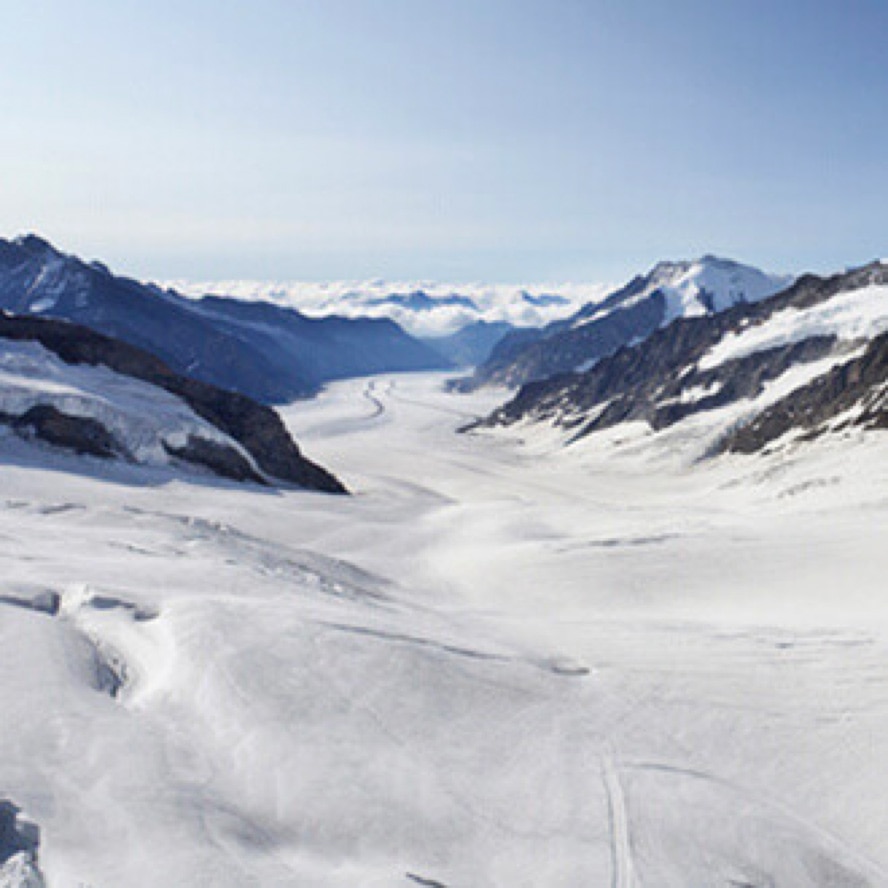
257, 429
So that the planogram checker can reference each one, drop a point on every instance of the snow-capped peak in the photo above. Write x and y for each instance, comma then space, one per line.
696, 287
711, 284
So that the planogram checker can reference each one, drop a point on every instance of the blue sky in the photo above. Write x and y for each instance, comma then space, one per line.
483, 140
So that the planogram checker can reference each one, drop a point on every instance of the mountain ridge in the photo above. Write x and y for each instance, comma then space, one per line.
270, 353
631, 313
697, 365
255, 428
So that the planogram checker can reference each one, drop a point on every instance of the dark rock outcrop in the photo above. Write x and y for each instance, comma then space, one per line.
19, 848
82, 434
223, 461
858, 388
257, 428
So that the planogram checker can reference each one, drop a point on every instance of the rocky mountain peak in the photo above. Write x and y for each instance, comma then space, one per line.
36, 245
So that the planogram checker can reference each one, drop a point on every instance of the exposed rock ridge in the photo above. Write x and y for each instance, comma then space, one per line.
19, 849
82, 434
257, 428
853, 394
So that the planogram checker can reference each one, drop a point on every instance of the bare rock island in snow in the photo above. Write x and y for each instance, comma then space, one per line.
88, 393
19, 845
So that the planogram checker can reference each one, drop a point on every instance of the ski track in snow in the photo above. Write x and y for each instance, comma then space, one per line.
619, 825
495, 665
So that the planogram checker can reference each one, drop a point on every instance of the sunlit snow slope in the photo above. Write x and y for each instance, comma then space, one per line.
599, 666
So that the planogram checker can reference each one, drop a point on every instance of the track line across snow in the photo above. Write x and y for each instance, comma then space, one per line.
623, 876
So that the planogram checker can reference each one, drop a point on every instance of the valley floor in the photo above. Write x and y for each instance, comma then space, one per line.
499, 663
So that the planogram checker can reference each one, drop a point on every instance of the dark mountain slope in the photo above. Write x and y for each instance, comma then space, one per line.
269, 353
472, 344
852, 394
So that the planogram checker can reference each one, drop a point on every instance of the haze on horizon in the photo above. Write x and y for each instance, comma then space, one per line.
502, 141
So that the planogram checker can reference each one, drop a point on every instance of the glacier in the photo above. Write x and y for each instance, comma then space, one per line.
501, 662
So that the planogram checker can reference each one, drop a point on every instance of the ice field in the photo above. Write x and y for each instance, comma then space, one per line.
499, 663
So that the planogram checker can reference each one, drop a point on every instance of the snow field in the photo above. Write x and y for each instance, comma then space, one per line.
498, 664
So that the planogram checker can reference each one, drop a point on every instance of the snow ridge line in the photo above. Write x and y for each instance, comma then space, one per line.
621, 847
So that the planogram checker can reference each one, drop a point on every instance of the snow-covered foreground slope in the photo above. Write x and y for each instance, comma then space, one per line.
490, 667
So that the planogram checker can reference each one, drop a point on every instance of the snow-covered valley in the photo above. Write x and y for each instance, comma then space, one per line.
499, 663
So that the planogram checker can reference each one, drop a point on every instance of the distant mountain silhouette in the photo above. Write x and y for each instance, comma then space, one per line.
270, 353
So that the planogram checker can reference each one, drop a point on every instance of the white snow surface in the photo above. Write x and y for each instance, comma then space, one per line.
139, 415
494, 665
725, 283
705, 285
494, 302
855, 315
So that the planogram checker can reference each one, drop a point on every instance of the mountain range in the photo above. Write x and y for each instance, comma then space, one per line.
425, 309
270, 353
83, 351
808, 360
630, 314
